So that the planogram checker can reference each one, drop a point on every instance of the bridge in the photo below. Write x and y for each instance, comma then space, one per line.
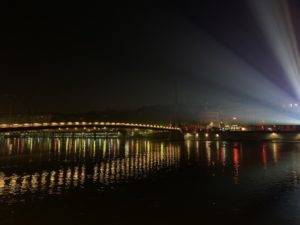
91, 127
57, 125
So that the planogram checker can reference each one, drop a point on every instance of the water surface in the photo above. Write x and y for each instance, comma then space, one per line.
115, 181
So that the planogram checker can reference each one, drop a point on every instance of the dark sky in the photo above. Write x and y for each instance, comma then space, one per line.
82, 57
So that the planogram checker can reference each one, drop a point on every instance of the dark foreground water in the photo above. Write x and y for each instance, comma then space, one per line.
110, 181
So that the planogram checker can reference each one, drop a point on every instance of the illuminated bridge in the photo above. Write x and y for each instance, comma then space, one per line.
94, 127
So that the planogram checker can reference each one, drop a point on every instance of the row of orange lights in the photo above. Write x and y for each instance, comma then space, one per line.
20, 125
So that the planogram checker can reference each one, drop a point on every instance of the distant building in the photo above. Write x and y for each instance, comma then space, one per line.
212, 118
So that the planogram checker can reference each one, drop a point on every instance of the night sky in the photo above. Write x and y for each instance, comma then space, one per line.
84, 57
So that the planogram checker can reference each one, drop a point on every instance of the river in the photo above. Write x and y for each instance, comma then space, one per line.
117, 181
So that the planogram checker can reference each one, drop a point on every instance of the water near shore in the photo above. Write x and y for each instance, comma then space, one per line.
112, 181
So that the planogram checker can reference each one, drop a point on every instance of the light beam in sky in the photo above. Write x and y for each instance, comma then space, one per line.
231, 78
276, 21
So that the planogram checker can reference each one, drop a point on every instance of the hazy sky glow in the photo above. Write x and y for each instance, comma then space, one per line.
237, 57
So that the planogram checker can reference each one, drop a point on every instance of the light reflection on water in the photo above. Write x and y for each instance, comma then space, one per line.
55, 165
250, 161
219, 178
51, 166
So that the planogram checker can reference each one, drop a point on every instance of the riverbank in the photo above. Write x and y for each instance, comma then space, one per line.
245, 136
